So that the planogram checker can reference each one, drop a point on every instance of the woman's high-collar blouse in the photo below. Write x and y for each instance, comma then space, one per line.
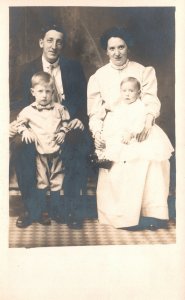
104, 90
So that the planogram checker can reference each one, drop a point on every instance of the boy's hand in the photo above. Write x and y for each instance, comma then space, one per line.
60, 137
75, 124
28, 136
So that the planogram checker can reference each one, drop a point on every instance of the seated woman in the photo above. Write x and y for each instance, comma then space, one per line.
137, 182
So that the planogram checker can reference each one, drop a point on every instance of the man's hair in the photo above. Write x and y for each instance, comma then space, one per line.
119, 32
41, 77
131, 79
52, 26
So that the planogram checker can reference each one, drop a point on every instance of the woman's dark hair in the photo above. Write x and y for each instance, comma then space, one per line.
120, 32
52, 26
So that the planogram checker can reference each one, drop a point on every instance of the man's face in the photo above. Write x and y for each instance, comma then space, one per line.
52, 44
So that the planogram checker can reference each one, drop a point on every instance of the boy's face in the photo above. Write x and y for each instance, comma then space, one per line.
43, 93
129, 92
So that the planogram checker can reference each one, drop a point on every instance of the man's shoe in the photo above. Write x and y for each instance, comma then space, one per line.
23, 221
45, 220
73, 223
59, 219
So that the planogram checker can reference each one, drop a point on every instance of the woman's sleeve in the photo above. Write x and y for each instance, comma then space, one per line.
149, 92
95, 107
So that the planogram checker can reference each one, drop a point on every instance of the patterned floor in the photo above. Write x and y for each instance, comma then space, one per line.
91, 234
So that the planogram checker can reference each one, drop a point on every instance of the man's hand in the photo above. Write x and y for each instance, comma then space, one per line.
146, 131
60, 137
13, 129
98, 141
75, 124
28, 136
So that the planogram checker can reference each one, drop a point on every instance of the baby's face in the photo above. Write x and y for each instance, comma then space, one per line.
129, 92
43, 93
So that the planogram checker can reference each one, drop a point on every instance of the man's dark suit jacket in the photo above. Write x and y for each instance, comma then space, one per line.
74, 85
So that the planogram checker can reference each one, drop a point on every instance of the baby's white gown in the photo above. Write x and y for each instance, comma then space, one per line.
131, 118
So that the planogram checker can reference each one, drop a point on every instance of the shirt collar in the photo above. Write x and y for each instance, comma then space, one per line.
46, 64
40, 107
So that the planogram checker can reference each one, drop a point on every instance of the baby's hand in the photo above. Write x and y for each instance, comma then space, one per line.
60, 137
28, 136
126, 138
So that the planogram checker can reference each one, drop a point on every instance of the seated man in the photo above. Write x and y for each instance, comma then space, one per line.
70, 90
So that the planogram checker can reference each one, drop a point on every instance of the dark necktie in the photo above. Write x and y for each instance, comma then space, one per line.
41, 107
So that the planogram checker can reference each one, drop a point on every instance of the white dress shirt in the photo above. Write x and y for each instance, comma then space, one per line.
57, 75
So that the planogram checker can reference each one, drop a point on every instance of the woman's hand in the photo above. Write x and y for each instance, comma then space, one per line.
75, 124
60, 137
28, 136
146, 131
98, 141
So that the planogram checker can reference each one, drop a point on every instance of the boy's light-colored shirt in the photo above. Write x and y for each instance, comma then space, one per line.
44, 123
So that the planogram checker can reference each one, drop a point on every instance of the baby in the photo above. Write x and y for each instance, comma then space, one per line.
123, 124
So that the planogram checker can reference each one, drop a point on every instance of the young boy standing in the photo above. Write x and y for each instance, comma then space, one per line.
45, 122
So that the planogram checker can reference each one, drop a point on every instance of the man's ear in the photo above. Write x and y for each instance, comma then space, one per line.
41, 43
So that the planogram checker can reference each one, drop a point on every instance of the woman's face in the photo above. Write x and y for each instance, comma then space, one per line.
117, 51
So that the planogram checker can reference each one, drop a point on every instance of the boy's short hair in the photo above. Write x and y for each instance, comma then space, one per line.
131, 79
41, 77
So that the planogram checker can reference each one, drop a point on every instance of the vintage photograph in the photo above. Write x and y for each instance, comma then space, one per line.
92, 126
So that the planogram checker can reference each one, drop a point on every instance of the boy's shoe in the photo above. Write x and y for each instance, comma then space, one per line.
45, 219
23, 220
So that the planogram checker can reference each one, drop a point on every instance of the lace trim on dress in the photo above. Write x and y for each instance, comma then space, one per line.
119, 67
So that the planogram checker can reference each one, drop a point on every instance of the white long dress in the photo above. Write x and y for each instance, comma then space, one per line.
132, 187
